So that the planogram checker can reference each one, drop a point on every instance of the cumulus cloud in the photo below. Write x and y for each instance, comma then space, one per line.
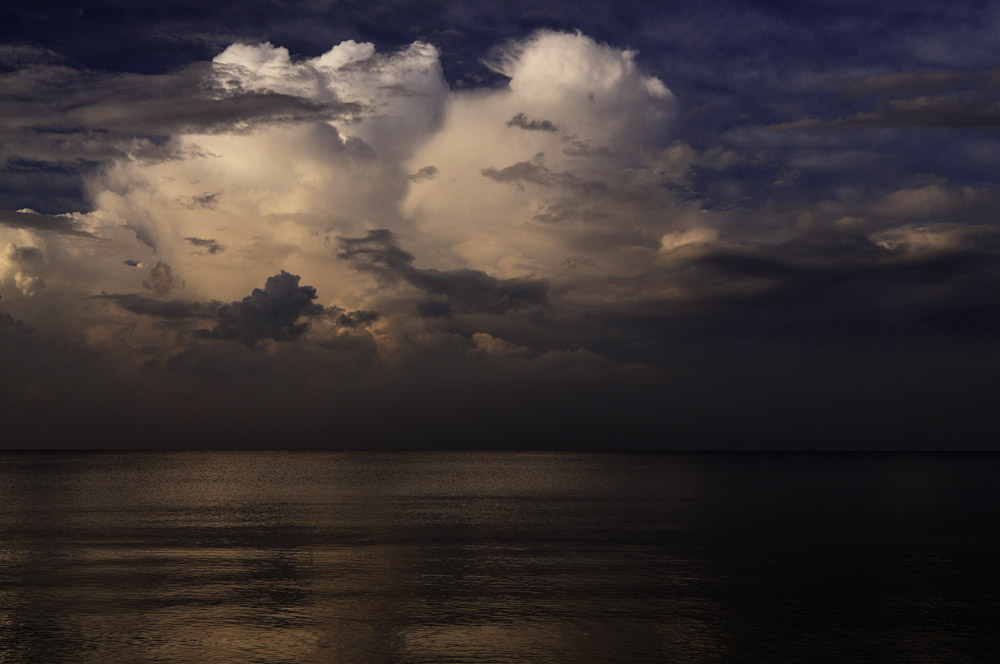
401, 93
259, 197
589, 123
264, 196
20, 265
268, 313
555, 72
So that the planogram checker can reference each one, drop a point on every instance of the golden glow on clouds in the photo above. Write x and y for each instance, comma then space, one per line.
278, 197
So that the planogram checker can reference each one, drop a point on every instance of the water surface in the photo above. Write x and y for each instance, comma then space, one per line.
497, 557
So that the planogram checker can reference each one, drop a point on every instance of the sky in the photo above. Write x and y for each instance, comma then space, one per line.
444, 224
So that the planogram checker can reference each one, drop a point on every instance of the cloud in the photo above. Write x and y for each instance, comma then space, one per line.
210, 245
160, 279
239, 113
552, 69
21, 266
167, 309
44, 222
57, 113
434, 308
594, 120
927, 201
376, 251
352, 319
521, 121
923, 83
425, 173
941, 112
209, 201
526, 172
941, 203
263, 197
563, 243
268, 313
693, 237
401, 93
946, 100
469, 290
937, 238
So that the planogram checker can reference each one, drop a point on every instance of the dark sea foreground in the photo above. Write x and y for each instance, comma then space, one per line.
498, 557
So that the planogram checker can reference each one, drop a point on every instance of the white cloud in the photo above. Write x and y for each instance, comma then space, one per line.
592, 89
610, 120
579, 174
401, 92
280, 195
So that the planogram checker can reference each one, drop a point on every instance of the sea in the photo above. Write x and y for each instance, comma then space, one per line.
547, 557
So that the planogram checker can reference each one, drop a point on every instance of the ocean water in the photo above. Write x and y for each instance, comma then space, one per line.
205, 557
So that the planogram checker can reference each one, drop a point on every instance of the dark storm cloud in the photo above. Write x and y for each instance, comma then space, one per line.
353, 319
265, 314
474, 290
42, 222
167, 309
800, 273
210, 245
52, 369
468, 290
522, 121
269, 313
820, 295
50, 187
377, 252
439, 308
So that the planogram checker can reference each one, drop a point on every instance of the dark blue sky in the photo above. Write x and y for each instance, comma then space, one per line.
735, 67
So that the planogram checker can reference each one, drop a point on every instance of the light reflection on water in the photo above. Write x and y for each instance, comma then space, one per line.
496, 557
